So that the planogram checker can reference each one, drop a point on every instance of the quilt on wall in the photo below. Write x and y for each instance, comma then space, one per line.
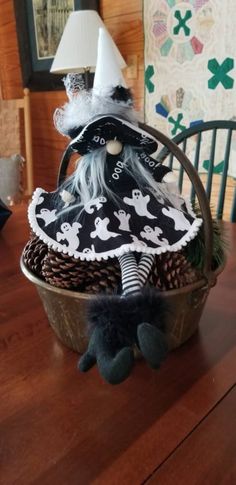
190, 75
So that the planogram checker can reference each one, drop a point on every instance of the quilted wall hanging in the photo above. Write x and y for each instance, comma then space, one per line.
190, 75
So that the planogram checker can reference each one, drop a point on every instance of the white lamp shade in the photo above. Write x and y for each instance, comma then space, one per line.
77, 49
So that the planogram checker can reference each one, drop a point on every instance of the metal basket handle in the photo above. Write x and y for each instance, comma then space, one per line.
200, 193
64, 165
194, 178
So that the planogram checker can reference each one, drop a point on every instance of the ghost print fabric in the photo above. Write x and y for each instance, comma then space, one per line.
135, 221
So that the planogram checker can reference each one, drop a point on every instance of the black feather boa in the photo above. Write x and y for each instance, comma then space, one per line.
119, 316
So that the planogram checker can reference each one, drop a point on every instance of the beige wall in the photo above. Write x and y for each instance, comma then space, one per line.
124, 21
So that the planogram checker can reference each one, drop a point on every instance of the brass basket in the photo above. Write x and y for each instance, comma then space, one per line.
66, 309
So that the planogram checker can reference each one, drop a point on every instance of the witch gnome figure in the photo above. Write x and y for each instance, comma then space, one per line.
119, 204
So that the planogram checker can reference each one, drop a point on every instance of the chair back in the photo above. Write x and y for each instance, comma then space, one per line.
16, 134
211, 147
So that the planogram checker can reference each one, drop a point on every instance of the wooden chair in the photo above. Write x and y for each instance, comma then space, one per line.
16, 133
215, 184
219, 185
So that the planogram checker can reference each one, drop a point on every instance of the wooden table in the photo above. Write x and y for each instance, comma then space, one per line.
57, 426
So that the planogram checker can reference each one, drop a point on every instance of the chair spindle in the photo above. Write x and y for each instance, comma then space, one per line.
196, 162
221, 199
211, 163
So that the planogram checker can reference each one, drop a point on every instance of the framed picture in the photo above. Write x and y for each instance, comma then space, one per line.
40, 24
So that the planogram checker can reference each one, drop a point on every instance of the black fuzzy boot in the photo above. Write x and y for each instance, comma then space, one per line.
116, 324
111, 340
114, 365
152, 344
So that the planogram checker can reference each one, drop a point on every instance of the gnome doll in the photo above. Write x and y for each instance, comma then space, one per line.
119, 203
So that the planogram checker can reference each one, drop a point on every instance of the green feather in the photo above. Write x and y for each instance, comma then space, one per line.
195, 250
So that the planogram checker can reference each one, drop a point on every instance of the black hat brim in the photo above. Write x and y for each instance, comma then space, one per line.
104, 128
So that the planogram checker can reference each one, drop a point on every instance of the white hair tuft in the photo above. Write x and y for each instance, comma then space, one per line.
85, 105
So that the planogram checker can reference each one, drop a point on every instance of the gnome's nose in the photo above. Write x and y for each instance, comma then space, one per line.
114, 147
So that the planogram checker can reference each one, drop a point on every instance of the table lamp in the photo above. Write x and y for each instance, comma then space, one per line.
77, 50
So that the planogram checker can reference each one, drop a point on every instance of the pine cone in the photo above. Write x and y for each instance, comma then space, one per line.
34, 254
63, 270
106, 279
171, 270
67, 272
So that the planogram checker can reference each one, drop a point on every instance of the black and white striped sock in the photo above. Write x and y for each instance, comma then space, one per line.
129, 274
144, 267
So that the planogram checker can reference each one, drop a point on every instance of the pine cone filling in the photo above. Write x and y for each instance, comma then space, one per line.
34, 254
171, 270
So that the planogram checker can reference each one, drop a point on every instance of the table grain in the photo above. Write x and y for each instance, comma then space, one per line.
58, 426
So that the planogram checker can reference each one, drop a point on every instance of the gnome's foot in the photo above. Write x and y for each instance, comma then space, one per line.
86, 362
116, 369
152, 344
113, 368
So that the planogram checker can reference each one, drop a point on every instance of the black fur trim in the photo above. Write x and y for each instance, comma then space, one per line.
119, 316
121, 94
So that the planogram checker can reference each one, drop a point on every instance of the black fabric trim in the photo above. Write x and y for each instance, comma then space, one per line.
160, 172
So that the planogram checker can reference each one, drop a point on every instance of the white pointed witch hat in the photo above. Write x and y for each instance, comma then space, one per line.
109, 93
108, 74
107, 112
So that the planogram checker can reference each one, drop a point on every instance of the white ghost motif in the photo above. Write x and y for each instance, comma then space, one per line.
88, 250
181, 223
69, 233
152, 235
40, 200
137, 241
124, 218
47, 216
101, 230
98, 202
139, 202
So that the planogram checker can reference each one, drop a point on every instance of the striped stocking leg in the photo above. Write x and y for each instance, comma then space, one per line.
144, 267
129, 274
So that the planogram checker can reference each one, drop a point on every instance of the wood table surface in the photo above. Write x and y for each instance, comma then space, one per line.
57, 426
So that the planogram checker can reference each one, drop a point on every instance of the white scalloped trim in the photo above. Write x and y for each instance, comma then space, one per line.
189, 206
125, 248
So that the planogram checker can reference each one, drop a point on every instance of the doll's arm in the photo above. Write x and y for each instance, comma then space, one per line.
163, 174
166, 175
